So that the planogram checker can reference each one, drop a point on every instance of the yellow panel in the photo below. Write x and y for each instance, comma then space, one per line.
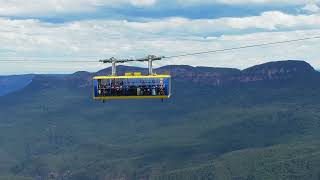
128, 74
131, 97
131, 77
137, 73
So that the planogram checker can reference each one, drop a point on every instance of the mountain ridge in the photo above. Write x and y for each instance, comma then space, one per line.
13, 83
267, 72
276, 71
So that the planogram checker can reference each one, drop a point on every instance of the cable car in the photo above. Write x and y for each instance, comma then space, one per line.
131, 85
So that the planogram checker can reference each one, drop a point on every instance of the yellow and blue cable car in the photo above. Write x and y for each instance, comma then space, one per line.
131, 85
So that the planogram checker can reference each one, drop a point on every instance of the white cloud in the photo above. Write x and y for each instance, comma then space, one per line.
22, 39
311, 8
35, 7
56, 7
143, 2
273, 20
276, 20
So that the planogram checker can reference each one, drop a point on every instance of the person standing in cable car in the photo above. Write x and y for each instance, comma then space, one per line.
153, 91
138, 91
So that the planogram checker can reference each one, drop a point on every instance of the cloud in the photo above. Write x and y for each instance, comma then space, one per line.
143, 2
56, 7
273, 20
311, 8
95, 39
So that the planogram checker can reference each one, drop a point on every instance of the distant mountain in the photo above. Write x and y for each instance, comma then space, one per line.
221, 123
12, 83
277, 71
281, 70
9, 84
272, 71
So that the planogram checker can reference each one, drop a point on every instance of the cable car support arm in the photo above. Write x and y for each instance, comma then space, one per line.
149, 59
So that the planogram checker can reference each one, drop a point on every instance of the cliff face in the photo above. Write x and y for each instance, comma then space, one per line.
278, 71
281, 70
213, 76
290, 70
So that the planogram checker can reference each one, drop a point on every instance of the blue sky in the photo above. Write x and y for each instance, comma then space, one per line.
93, 29
133, 13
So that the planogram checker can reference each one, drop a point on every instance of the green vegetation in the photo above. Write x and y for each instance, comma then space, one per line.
55, 131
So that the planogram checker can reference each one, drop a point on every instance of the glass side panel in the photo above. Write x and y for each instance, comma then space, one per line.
95, 88
132, 87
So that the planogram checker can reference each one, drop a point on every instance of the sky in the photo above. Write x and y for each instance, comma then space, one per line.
89, 30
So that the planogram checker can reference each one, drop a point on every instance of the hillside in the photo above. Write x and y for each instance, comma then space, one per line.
221, 123
10, 84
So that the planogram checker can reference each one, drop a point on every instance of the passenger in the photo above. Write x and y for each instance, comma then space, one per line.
145, 91
153, 91
108, 90
113, 91
148, 91
127, 90
131, 91
138, 91
161, 90
121, 93
117, 90
134, 90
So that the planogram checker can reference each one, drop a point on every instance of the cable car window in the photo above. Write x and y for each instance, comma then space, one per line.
132, 87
